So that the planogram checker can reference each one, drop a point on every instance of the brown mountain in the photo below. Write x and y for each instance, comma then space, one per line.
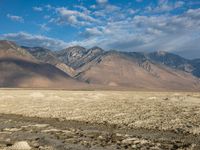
10, 49
77, 57
72, 60
18, 68
77, 68
47, 56
120, 70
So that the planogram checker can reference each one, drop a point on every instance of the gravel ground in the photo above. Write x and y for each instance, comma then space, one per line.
166, 112
31, 133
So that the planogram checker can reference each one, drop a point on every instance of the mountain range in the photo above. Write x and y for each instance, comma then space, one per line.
80, 68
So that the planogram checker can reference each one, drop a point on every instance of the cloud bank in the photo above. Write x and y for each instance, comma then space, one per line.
113, 26
26, 39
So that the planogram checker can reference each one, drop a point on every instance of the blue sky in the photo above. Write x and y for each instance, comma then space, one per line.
125, 25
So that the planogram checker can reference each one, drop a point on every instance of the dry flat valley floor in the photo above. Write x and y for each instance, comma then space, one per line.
79, 120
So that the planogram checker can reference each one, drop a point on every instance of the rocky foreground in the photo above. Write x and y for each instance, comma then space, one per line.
31, 133
59, 119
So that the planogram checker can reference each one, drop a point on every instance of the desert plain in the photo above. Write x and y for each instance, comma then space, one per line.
59, 119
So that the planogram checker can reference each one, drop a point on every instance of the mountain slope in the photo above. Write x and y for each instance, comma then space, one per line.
48, 56
77, 56
18, 68
10, 49
73, 67
117, 69
196, 65
173, 61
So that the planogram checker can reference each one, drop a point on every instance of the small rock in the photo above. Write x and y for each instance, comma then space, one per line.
101, 137
12, 129
22, 145
126, 135
8, 140
91, 133
51, 130
40, 125
35, 144
46, 148
137, 142
152, 98
129, 140
85, 143
155, 148
143, 142
119, 135
134, 146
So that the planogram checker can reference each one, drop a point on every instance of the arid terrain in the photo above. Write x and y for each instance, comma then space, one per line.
78, 68
58, 119
100, 75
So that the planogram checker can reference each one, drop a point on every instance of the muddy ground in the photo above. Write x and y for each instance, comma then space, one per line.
50, 134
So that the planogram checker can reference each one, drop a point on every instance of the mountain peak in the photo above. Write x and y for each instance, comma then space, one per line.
11, 49
5, 44
99, 67
161, 53
76, 47
36, 49
96, 47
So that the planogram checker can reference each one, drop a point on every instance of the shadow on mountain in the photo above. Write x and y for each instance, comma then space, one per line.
18, 72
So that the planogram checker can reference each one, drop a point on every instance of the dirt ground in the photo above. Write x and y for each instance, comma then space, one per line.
52, 119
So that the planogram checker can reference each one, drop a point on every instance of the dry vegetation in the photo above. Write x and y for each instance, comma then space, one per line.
151, 110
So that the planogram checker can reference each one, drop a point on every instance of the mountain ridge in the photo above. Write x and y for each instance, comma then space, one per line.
96, 68
19, 68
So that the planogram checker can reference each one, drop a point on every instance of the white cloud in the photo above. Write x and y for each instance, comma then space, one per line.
49, 7
110, 12
83, 9
89, 32
101, 1
124, 28
175, 33
132, 11
15, 18
27, 39
93, 6
47, 17
112, 8
37, 8
74, 17
165, 6
44, 27
179, 4
193, 13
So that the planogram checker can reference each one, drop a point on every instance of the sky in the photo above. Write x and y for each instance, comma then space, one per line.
124, 25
